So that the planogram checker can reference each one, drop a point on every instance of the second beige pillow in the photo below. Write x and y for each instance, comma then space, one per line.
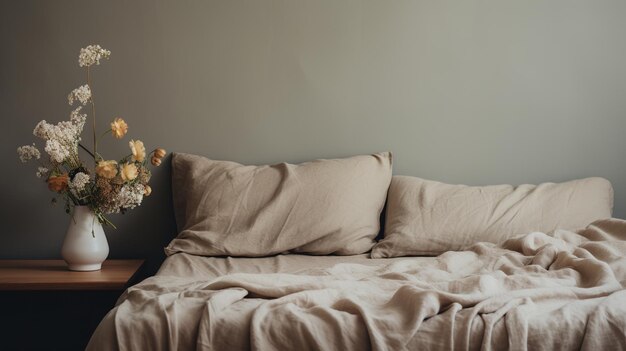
428, 218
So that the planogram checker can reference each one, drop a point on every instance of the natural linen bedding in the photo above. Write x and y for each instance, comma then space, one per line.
564, 290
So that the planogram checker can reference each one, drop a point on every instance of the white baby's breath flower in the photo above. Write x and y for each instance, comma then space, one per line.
82, 94
57, 151
62, 138
78, 122
42, 172
28, 152
76, 117
80, 181
42, 130
129, 196
92, 54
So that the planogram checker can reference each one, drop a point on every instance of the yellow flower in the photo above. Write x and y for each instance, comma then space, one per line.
159, 153
147, 190
155, 161
58, 183
139, 151
107, 169
129, 172
119, 128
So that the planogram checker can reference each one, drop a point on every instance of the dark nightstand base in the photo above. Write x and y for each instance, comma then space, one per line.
52, 320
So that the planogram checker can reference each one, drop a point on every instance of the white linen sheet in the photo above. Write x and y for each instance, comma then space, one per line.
537, 292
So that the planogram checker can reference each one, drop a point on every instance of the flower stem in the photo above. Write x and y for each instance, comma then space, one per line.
93, 112
105, 220
89, 152
96, 142
73, 198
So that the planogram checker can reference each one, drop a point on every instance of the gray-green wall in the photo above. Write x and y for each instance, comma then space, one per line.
475, 92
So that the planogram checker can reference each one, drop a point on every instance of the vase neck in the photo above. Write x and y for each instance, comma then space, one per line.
82, 211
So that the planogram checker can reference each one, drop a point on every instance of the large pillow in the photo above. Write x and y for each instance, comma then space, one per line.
320, 207
424, 217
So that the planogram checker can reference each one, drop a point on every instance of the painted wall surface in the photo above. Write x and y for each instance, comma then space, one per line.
475, 92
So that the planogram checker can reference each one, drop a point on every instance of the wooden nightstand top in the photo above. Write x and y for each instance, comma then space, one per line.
54, 275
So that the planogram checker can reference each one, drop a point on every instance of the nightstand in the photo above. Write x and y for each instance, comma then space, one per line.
49, 307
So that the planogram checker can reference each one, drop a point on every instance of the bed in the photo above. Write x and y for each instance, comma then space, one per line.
539, 290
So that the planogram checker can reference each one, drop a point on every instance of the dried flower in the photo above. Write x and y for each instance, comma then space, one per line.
155, 161
104, 187
130, 196
42, 172
58, 183
57, 150
41, 129
113, 187
78, 118
144, 175
80, 181
119, 128
61, 138
116, 199
159, 153
28, 152
92, 54
82, 94
138, 150
129, 172
107, 169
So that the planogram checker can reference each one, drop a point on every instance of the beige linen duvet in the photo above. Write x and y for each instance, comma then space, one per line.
537, 292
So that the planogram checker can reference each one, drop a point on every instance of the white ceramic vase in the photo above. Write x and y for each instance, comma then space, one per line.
85, 246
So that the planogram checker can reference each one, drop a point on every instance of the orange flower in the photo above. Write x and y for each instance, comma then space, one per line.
129, 172
155, 161
107, 169
160, 153
138, 150
119, 128
58, 183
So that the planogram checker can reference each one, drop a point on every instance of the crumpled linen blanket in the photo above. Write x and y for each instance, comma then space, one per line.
560, 291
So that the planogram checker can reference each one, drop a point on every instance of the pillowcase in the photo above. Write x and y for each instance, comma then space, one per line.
428, 218
320, 207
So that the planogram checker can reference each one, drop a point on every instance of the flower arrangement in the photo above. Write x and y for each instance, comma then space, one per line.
112, 186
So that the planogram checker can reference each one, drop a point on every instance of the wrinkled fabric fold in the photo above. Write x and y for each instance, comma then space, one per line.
533, 292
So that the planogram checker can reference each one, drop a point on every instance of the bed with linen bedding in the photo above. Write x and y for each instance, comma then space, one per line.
284, 257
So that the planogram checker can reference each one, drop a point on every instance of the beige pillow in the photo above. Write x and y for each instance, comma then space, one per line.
320, 207
424, 217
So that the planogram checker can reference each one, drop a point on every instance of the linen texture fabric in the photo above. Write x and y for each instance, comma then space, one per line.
564, 291
320, 207
425, 217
